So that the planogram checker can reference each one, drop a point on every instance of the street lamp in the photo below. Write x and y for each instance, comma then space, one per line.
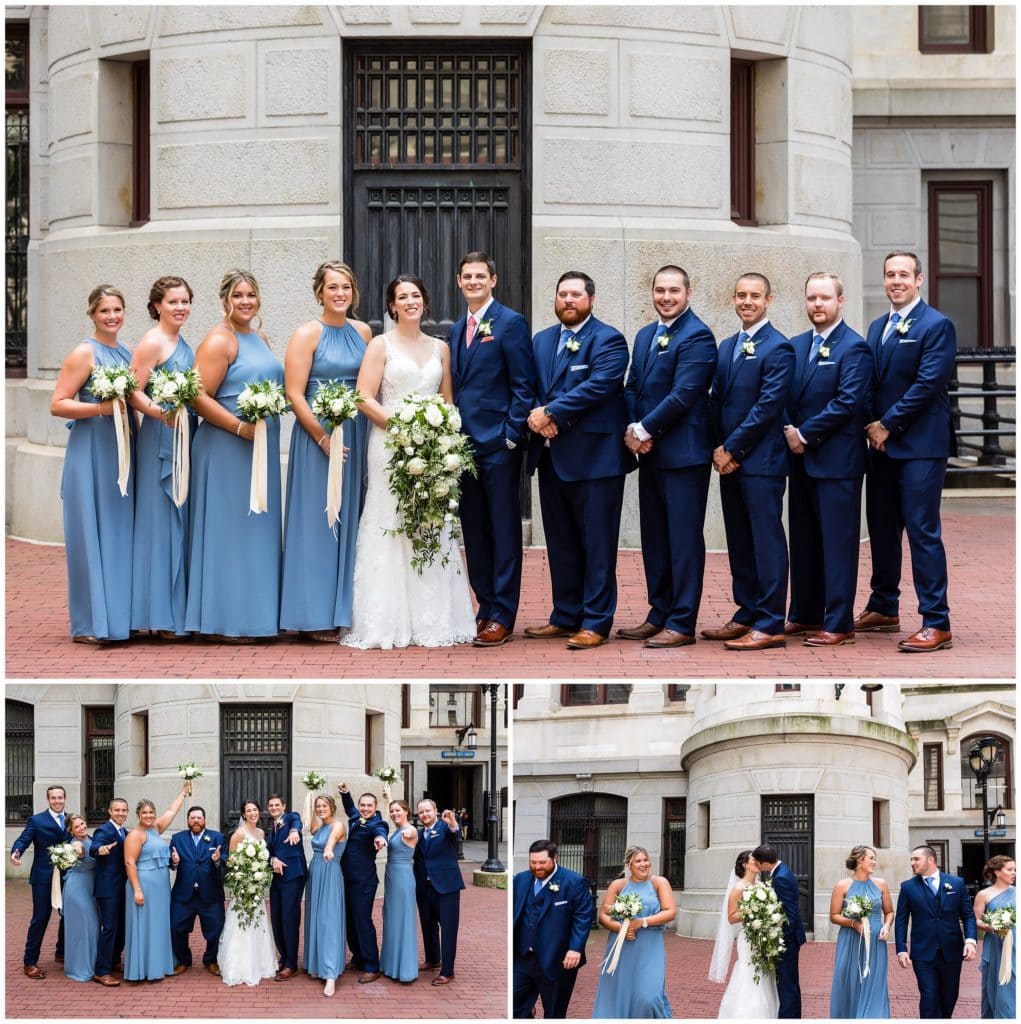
982, 758
492, 860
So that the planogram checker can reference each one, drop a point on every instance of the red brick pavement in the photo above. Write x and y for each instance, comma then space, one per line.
478, 991
693, 996
979, 536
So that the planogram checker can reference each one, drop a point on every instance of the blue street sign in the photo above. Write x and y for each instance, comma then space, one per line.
998, 834
457, 754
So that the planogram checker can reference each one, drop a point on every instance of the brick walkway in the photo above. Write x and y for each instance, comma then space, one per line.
979, 536
478, 991
692, 995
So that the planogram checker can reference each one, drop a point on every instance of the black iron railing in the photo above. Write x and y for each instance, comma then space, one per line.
978, 408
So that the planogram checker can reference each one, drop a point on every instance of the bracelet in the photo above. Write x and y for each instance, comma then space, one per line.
241, 423
320, 441
137, 891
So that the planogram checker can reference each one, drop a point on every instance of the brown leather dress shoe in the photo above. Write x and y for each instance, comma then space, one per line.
547, 632
493, 635
873, 622
642, 632
668, 638
754, 640
108, 980
441, 980
584, 639
797, 629
213, 969
180, 968
33, 972
731, 631
369, 977
284, 973
826, 639
480, 625
925, 640
429, 966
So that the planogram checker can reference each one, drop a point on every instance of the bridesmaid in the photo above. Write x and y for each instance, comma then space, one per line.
81, 916
998, 1001
325, 934
158, 570
234, 555
318, 566
398, 959
147, 951
637, 988
851, 995
98, 520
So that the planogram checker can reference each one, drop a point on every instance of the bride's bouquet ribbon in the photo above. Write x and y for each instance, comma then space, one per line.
625, 908
256, 403
122, 431
335, 476
258, 500
334, 402
182, 456
1006, 958
613, 955
865, 936
56, 897
114, 383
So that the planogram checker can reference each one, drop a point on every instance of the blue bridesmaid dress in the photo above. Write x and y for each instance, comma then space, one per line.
234, 555
637, 989
398, 957
851, 997
319, 562
98, 520
998, 1001
81, 919
325, 933
158, 581
148, 955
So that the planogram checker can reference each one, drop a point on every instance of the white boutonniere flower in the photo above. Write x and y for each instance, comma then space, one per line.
664, 340
748, 347
431, 833
903, 327
554, 887
573, 345
206, 839
485, 326
824, 351
948, 887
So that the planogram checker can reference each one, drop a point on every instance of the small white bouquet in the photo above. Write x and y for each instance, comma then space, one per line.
859, 908
248, 876
626, 907
63, 856
388, 774
189, 771
334, 403
173, 391
256, 403
115, 384
1003, 921
312, 780
762, 921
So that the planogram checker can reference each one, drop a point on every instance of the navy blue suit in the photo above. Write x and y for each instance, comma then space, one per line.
667, 391
546, 927
41, 832
358, 864
937, 944
746, 407
198, 890
493, 390
285, 890
110, 895
582, 470
788, 984
828, 403
438, 885
905, 483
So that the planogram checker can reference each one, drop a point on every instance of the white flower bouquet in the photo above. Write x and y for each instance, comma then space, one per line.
388, 774
115, 384
189, 771
312, 780
858, 908
1003, 920
428, 454
248, 876
257, 402
334, 403
762, 921
626, 907
173, 391
63, 856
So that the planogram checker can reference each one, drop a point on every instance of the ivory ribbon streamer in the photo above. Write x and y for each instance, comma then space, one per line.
335, 476
306, 817
257, 499
182, 457
122, 430
56, 899
1007, 948
865, 936
613, 958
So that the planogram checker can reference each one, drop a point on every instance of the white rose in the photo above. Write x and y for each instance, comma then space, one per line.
407, 413
170, 389
250, 851
409, 449
761, 894
264, 855
395, 430
120, 384
245, 396
448, 518
756, 925
416, 467
451, 461
433, 416
253, 888
417, 437
444, 443
452, 504
455, 419
775, 917
442, 489
337, 406
261, 401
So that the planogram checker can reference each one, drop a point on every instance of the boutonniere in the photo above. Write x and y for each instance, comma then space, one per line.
573, 345
748, 346
903, 327
206, 839
431, 833
824, 351
553, 887
948, 887
485, 327
664, 340
363, 821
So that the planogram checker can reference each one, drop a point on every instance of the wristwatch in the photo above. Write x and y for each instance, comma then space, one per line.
546, 412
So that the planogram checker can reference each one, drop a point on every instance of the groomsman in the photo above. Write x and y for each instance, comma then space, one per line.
577, 448
667, 395
290, 870
491, 364
753, 376
197, 856
108, 849
42, 831
438, 885
826, 412
366, 836
911, 436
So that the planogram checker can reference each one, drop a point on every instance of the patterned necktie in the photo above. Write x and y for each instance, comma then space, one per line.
891, 327
470, 333
816, 345
739, 347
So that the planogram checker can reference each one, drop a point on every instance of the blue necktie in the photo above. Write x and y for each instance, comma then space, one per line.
891, 327
738, 348
537, 887
121, 831
654, 344
61, 818
931, 880
816, 345
565, 337
195, 840
563, 355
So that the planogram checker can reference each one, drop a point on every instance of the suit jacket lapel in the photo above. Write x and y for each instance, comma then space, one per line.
560, 365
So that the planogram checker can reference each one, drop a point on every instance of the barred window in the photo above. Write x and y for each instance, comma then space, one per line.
588, 694
20, 734
590, 830
674, 824
99, 763
932, 766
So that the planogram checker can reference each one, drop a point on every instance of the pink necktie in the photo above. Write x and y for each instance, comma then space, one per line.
470, 334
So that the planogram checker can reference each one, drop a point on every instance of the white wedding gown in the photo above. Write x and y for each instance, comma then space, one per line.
246, 955
743, 998
392, 605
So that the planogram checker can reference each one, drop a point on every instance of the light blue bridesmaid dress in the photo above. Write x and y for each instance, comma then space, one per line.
81, 919
147, 951
998, 1001
234, 555
398, 957
637, 989
851, 997
158, 581
319, 562
98, 520
325, 933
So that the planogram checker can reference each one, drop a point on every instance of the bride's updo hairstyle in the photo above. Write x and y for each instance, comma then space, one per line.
742, 862
855, 856
629, 855
391, 293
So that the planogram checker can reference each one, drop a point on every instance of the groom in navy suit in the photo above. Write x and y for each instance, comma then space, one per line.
785, 885
290, 870
552, 918
491, 364
938, 906
43, 830
198, 857
577, 446
108, 849
911, 436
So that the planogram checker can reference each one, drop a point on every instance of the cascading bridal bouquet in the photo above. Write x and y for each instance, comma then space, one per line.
248, 876
62, 856
428, 454
173, 391
626, 907
256, 403
334, 403
115, 384
313, 783
1003, 920
762, 921
858, 908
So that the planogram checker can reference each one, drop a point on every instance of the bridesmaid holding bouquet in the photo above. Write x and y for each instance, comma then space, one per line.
999, 973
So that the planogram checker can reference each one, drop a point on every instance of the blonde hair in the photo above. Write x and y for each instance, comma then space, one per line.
227, 284
97, 294
321, 796
855, 857
319, 281
72, 818
825, 275
629, 855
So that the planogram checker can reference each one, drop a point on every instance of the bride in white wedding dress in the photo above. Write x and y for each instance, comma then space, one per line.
394, 606
743, 997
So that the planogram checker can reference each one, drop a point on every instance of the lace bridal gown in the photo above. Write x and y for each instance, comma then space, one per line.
246, 955
394, 606
743, 997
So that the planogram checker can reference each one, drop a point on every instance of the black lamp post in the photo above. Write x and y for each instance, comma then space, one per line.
982, 758
492, 823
